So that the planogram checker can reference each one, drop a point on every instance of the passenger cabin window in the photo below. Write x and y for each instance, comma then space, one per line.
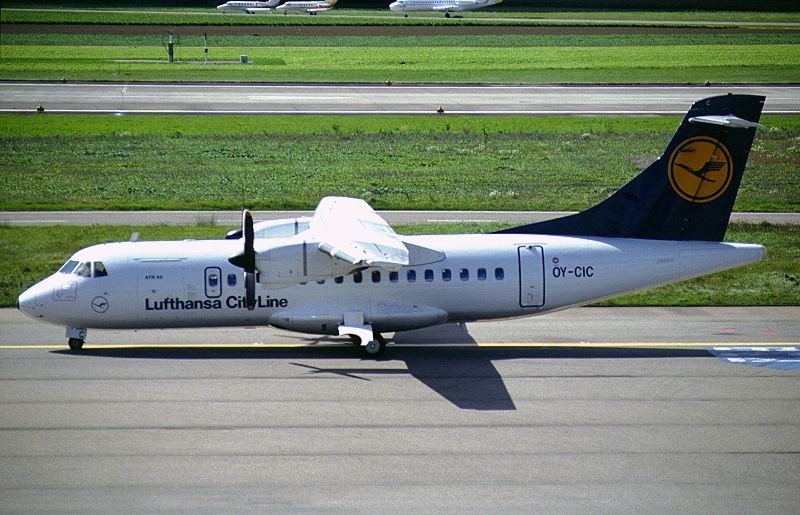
394, 277
376, 276
481, 274
338, 280
499, 274
463, 274
411, 276
357, 277
446, 274
213, 280
428, 276
231, 279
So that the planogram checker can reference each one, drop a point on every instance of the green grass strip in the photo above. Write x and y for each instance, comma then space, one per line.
776, 63
192, 38
288, 162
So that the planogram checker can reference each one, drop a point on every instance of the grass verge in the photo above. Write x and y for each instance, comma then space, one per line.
105, 162
675, 64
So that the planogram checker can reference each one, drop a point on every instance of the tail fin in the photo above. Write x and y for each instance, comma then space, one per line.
688, 192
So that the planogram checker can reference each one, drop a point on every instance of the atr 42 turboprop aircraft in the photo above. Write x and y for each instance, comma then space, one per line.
248, 7
344, 271
309, 7
445, 6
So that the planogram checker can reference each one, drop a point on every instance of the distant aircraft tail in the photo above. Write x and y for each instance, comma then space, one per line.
688, 192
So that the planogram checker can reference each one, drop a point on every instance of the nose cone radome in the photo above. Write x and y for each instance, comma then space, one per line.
28, 303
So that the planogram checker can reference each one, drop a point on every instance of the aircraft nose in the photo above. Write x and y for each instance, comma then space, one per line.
28, 303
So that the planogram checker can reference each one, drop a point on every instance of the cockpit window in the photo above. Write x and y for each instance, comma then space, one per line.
100, 269
68, 267
84, 270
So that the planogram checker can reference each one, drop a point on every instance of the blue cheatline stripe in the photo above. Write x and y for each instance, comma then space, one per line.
782, 358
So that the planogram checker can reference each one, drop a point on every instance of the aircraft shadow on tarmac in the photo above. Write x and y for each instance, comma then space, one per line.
446, 359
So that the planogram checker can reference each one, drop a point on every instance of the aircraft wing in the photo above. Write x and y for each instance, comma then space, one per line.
350, 230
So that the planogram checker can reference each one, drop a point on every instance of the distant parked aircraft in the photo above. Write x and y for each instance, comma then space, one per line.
248, 7
309, 7
445, 6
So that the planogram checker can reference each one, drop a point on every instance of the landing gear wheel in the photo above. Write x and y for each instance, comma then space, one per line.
375, 347
75, 343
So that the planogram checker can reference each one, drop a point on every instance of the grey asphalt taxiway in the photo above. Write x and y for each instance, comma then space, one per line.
234, 218
120, 98
591, 410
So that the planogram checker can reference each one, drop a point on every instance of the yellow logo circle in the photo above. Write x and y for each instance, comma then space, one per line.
700, 169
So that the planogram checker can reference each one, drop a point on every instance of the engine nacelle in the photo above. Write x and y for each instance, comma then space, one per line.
325, 317
298, 263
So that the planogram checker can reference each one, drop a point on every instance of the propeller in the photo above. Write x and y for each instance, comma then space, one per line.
247, 260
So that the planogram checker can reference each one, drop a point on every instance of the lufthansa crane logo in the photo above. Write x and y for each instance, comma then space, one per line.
700, 169
100, 304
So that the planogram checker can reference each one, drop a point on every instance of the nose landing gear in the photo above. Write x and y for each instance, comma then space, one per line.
76, 335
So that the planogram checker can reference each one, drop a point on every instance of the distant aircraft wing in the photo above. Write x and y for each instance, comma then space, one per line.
350, 230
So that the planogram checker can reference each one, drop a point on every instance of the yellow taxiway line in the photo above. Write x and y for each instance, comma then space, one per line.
623, 345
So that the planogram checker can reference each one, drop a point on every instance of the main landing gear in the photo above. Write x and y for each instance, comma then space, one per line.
374, 347
362, 334
76, 335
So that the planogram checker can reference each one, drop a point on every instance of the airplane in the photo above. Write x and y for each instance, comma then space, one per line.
248, 7
446, 6
311, 8
344, 271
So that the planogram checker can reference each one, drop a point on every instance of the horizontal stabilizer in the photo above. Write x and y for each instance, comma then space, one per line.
727, 120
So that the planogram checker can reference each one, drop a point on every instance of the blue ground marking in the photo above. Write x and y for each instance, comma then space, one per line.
782, 358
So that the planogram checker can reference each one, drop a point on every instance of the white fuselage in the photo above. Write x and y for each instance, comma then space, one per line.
469, 277
440, 5
250, 7
310, 7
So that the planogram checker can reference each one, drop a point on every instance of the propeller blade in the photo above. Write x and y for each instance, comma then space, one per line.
246, 260
249, 236
250, 290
